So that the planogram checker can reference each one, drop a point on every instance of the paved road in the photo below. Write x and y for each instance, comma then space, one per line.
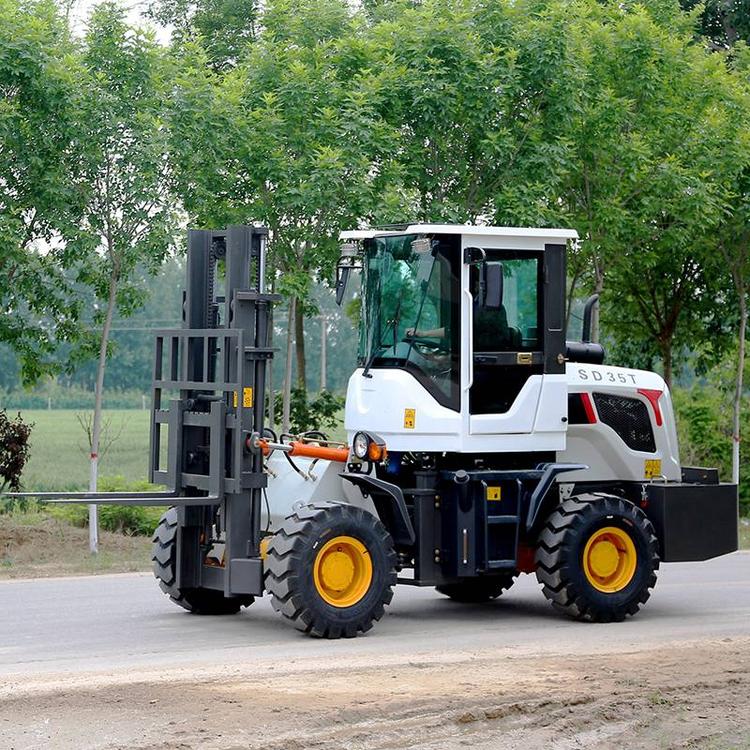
123, 622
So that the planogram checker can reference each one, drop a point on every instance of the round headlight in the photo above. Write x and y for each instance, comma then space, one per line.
360, 445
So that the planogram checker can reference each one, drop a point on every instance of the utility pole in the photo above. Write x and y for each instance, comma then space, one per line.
323, 343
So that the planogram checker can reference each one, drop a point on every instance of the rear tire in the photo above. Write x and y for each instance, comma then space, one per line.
199, 601
331, 569
597, 558
477, 590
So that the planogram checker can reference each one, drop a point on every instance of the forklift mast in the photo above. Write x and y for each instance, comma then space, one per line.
208, 397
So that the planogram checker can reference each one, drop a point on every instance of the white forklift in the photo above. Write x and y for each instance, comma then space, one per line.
481, 444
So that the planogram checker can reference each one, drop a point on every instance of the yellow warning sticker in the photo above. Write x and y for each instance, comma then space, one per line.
410, 418
493, 493
652, 468
247, 398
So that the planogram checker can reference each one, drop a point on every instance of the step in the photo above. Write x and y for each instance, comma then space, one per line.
497, 564
502, 519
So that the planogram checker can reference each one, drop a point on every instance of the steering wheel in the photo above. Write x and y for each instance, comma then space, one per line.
435, 343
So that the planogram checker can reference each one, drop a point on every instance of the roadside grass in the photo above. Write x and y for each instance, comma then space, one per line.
35, 544
47, 540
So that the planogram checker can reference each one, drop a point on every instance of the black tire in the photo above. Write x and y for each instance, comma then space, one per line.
477, 590
293, 554
560, 558
198, 601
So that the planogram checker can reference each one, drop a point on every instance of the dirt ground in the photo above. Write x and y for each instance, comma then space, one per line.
38, 545
691, 695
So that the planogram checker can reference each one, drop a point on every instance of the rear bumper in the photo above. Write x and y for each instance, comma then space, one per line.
694, 521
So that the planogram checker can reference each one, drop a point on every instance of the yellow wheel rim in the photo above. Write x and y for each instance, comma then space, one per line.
342, 571
609, 559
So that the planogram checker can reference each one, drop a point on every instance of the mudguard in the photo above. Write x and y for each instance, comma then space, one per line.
389, 503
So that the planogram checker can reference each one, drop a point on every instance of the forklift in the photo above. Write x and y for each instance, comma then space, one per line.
481, 444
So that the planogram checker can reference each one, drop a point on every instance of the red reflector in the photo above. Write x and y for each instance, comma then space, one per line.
588, 407
653, 396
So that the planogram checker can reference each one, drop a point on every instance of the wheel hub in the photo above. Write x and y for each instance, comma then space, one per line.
609, 559
342, 571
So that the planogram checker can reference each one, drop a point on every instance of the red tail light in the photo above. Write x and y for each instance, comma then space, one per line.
653, 396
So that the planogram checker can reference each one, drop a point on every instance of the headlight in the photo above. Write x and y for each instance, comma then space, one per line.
360, 445
369, 446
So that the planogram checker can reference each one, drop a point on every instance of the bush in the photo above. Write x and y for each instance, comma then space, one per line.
14, 453
704, 430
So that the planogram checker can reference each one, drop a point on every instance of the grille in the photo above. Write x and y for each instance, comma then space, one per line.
628, 417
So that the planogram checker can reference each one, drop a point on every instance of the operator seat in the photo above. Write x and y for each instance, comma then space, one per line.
492, 332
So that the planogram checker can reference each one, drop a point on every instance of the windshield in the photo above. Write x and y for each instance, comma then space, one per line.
410, 313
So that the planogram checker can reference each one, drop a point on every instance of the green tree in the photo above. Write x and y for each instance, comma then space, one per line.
723, 22
39, 197
286, 138
734, 244
128, 222
226, 27
657, 135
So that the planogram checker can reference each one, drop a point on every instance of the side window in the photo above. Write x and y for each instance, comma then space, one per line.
521, 300
515, 326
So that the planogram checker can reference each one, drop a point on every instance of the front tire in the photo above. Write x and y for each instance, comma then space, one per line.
597, 558
199, 601
477, 590
331, 569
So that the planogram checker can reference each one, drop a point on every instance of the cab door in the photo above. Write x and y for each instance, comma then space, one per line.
517, 344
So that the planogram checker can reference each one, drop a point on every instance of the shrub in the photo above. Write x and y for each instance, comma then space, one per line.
704, 429
14, 453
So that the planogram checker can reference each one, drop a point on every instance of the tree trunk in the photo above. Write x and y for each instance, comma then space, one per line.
287, 389
96, 427
738, 386
323, 353
666, 358
598, 289
569, 301
299, 343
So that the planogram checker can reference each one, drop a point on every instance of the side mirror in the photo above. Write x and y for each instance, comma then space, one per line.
342, 278
350, 258
491, 285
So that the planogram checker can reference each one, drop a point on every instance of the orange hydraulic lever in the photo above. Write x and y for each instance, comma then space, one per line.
319, 451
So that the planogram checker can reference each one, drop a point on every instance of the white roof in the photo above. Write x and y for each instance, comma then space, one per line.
362, 234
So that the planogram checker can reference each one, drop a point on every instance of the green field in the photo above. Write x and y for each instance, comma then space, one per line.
59, 449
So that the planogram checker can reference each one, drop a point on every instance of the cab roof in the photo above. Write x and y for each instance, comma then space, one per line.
465, 229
